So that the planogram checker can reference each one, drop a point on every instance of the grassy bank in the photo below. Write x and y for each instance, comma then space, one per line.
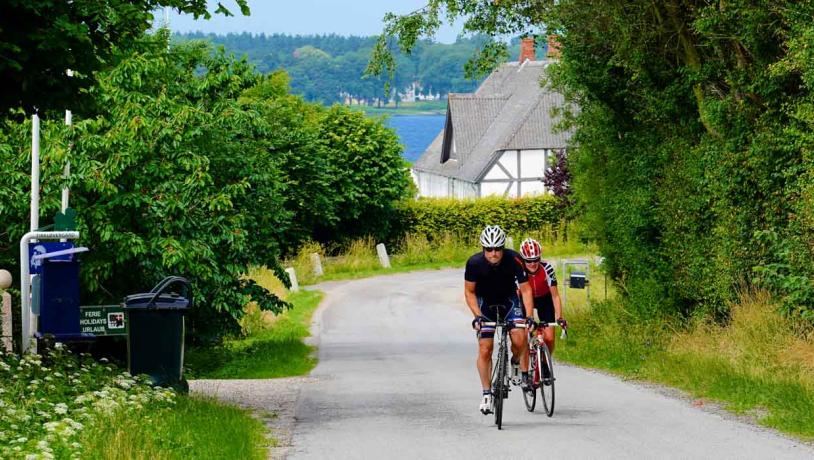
196, 427
360, 259
273, 346
760, 364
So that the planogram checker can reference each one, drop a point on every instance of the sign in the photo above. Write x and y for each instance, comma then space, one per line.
102, 320
44, 247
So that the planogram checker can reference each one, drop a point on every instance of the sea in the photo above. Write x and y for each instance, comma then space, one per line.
416, 132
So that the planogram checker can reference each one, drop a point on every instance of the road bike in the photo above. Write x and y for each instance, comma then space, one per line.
500, 368
541, 369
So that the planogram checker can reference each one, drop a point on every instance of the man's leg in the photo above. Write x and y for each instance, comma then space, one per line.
520, 347
485, 362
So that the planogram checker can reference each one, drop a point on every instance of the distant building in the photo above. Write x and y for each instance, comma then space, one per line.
498, 140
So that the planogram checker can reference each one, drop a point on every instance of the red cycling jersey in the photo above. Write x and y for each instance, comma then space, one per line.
542, 280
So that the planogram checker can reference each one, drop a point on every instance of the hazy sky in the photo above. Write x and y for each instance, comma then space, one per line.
343, 17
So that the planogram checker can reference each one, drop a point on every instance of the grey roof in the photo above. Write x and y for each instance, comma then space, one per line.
510, 110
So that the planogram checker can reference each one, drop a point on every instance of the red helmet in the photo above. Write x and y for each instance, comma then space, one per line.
530, 250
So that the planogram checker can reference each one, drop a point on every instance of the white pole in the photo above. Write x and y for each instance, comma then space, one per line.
35, 173
67, 171
384, 259
292, 276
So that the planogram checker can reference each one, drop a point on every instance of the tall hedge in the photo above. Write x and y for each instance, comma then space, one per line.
437, 216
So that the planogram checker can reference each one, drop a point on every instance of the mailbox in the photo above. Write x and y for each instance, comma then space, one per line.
578, 280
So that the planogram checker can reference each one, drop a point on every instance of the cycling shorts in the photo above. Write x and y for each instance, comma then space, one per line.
545, 308
513, 314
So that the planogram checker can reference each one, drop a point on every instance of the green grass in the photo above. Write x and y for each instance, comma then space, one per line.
197, 427
758, 365
272, 350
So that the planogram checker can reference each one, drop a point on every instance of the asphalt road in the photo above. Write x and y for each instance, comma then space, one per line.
396, 379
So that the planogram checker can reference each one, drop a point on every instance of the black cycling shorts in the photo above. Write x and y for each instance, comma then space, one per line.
545, 308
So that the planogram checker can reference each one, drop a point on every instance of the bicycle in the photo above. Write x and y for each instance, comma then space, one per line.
500, 369
542, 374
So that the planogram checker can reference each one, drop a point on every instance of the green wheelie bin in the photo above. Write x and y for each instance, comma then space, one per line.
155, 332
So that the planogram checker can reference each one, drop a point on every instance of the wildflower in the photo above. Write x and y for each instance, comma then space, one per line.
61, 408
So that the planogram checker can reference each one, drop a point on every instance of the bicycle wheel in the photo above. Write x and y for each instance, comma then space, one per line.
530, 397
500, 388
546, 378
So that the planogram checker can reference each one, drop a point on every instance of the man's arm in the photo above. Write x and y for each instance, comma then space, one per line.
471, 297
528, 298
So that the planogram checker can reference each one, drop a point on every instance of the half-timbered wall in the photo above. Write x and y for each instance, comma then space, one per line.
517, 173
434, 185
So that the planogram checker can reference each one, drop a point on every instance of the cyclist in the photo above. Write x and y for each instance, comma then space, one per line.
493, 277
543, 284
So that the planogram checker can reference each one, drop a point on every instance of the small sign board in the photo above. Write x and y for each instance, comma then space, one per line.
102, 320
44, 247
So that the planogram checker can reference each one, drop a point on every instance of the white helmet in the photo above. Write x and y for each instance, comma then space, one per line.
492, 237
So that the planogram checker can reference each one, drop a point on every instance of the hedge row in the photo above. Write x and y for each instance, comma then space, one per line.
438, 216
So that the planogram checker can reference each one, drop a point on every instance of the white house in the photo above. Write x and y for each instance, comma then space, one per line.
498, 140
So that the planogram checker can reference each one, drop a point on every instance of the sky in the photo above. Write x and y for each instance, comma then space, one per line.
343, 17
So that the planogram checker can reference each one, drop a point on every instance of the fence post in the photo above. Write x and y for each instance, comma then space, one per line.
292, 276
317, 263
510, 243
5, 315
383, 258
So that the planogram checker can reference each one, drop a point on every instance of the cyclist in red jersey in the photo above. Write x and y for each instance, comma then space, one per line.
544, 288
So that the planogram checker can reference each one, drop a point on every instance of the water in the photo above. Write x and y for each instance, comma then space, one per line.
416, 132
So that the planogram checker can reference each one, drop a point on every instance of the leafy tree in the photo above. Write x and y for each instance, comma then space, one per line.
557, 178
40, 41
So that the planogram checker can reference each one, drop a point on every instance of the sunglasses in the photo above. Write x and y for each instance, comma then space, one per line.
492, 249
534, 261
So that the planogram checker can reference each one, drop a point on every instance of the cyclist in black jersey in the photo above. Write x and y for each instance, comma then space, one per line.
493, 277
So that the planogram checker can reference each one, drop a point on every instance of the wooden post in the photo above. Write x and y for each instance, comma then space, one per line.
383, 258
5, 313
317, 263
292, 276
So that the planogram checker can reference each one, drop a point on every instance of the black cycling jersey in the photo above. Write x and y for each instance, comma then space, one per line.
495, 284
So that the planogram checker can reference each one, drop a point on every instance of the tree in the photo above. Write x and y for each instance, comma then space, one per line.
40, 41
557, 178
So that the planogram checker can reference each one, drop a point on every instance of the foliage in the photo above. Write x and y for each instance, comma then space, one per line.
195, 427
434, 217
197, 165
558, 179
40, 40
692, 140
272, 348
49, 401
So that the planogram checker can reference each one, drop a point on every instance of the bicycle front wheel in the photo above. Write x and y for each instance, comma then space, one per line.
530, 396
546, 378
499, 389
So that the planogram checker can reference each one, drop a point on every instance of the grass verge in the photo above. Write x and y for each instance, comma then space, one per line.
273, 346
196, 427
760, 364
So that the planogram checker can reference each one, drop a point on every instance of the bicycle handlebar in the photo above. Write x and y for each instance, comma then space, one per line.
563, 335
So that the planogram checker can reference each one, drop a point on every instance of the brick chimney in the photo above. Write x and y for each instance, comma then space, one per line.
553, 47
527, 49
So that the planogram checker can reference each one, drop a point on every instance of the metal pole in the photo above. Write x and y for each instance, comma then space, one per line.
67, 171
35, 173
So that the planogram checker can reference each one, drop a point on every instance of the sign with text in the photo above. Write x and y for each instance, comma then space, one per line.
103, 320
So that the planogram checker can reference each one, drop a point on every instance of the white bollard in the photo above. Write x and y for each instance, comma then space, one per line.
510, 243
292, 276
383, 258
5, 313
317, 263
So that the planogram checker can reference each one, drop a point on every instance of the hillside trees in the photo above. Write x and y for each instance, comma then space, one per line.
691, 148
40, 40
196, 165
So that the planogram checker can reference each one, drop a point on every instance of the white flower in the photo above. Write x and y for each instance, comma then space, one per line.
61, 409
